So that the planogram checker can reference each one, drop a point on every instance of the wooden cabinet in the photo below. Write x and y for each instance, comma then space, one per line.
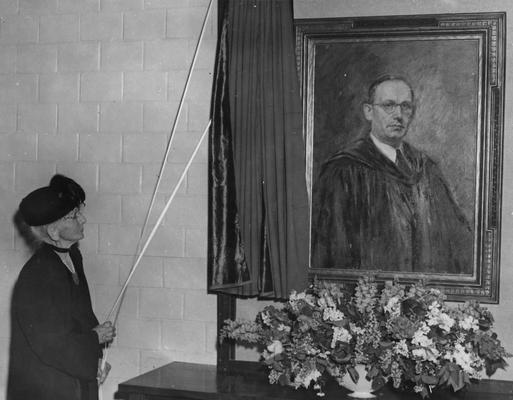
185, 381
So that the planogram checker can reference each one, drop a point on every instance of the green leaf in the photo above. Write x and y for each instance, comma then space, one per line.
424, 393
378, 382
456, 380
353, 374
374, 371
429, 379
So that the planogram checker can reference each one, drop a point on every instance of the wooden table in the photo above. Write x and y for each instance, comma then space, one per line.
180, 381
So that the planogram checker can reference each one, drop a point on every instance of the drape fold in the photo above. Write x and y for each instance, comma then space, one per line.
258, 208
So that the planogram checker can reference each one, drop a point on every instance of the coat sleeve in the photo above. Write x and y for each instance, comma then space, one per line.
42, 307
333, 235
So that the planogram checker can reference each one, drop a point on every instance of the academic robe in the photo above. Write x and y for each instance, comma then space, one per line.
54, 352
370, 214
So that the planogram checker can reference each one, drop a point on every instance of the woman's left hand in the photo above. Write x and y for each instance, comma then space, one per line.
102, 372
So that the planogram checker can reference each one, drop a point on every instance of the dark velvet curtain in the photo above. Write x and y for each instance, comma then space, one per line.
258, 210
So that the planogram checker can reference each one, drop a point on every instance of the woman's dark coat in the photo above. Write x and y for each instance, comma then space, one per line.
54, 352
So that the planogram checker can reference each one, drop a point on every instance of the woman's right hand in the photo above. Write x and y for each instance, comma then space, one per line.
106, 332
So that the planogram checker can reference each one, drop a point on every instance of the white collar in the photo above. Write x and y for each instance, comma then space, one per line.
387, 150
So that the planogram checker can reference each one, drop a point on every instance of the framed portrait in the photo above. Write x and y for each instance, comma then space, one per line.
437, 81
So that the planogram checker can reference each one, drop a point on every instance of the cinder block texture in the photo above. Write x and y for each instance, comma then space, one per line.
185, 22
106, 295
103, 208
79, 57
122, 56
139, 334
144, 25
148, 86
165, 3
37, 7
78, 6
19, 29
102, 269
53, 147
20, 88
200, 306
186, 336
8, 7
85, 173
101, 86
168, 181
121, 117
36, 58
188, 211
161, 304
100, 148
80, 118
144, 148
118, 239
91, 89
148, 273
101, 26
8, 59
134, 208
40, 118
120, 178
16, 147
31, 174
167, 54
121, 5
6, 177
160, 117
8, 114
185, 273
58, 28
58, 88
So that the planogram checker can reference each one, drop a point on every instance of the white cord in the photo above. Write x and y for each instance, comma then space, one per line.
175, 123
159, 220
119, 299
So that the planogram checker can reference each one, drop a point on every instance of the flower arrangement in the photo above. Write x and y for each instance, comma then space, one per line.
405, 335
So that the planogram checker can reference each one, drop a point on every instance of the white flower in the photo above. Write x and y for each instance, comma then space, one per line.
439, 318
469, 323
469, 362
320, 393
426, 353
274, 348
295, 297
332, 314
418, 388
356, 329
266, 319
420, 337
401, 348
393, 306
340, 335
304, 379
283, 327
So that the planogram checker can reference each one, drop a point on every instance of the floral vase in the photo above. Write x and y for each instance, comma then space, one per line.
361, 389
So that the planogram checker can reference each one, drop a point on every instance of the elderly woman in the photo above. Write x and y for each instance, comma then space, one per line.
56, 341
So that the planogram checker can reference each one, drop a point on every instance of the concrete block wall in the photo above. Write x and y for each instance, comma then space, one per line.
90, 88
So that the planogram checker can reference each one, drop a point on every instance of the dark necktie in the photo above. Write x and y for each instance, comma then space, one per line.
401, 162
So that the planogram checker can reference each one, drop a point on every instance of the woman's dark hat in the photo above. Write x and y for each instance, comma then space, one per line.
50, 203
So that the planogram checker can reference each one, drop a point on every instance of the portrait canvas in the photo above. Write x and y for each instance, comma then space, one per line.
453, 64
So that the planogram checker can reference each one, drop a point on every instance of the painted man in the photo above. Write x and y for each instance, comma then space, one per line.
381, 204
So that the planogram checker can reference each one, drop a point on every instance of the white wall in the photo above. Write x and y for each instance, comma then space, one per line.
89, 88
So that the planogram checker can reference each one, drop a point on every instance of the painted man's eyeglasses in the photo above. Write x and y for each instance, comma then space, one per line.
389, 107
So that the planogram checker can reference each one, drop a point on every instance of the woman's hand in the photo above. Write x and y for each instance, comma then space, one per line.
106, 332
102, 372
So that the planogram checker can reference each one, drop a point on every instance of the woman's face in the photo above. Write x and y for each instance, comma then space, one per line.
70, 228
